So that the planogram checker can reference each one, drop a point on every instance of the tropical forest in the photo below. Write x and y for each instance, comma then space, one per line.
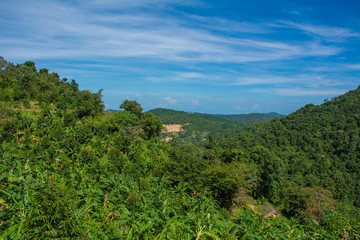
69, 169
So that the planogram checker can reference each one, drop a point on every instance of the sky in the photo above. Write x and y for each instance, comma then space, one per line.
209, 56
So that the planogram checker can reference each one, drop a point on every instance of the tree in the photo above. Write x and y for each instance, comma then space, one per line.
3, 63
132, 106
30, 65
152, 125
271, 173
74, 85
224, 180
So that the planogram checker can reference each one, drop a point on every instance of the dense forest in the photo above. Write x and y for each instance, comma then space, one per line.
169, 116
197, 127
69, 170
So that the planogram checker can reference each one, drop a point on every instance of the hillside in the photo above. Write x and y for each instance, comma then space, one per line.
251, 117
70, 171
169, 116
196, 127
316, 146
22, 86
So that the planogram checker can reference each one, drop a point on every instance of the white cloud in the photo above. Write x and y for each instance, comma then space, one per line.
128, 4
222, 24
195, 103
310, 80
58, 30
336, 68
353, 66
294, 12
169, 100
255, 106
299, 91
152, 42
326, 32
188, 77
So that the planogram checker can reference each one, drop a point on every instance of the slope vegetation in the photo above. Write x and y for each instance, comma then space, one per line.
316, 146
70, 171
197, 126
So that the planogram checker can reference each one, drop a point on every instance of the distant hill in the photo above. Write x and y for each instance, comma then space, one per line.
243, 118
198, 126
169, 116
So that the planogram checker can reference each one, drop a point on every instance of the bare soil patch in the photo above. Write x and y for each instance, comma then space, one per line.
172, 128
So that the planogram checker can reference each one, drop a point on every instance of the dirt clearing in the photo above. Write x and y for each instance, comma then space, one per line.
171, 128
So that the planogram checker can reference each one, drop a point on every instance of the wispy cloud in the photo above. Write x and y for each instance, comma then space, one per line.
294, 12
169, 100
58, 30
353, 66
188, 77
195, 102
299, 91
310, 80
157, 50
328, 33
128, 4
336, 68
226, 25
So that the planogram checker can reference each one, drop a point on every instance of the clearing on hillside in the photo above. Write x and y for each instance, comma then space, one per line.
171, 128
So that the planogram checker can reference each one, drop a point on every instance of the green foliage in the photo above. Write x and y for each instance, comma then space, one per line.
132, 106
169, 116
50, 213
197, 127
24, 84
119, 120
316, 146
339, 225
151, 124
224, 180
271, 173
307, 202
69, 171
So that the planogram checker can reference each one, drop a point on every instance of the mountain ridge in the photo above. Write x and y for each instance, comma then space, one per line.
197, 127
171, 116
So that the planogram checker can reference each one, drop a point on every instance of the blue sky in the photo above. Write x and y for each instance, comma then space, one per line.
204, 56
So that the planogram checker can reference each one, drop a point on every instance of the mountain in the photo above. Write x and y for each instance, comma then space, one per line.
316, 146
169, 116
198, 126
251, 117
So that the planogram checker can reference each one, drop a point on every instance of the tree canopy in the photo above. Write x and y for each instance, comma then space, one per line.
132, 106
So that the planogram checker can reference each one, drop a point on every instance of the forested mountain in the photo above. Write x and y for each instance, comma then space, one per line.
70, 171
316, 146
198, 126
169, 116
250, 118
